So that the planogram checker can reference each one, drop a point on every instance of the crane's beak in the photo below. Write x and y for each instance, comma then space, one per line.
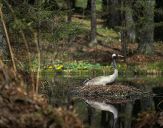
120, 56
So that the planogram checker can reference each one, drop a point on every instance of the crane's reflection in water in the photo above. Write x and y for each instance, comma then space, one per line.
105, 107
103, 115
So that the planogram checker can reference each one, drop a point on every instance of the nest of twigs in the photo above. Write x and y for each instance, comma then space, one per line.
110, 93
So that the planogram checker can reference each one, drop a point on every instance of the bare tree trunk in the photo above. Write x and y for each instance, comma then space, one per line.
73, 4
105, 5
93, 22
70, 6
145, 31
88, 5
130, 25
113, 16
123, 31
128, 29
158, 19
69, 14
124, 43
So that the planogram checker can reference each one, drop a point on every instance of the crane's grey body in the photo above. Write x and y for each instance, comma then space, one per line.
104, 80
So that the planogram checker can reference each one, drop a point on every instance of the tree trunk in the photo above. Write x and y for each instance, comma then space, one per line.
69, 13
73, 4
123, 31
158, 18
93, 22
128, 29
88, 5
129, 22
70, 6
105, 5
113, 18
145, 32
124, 43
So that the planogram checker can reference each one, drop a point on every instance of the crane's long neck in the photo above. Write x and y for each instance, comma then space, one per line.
114, 64
115, 74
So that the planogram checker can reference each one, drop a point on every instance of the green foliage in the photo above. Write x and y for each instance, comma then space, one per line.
122, 67
155, 66
20, 24
53, 27
81, 65
74, 66
54, 67
149, 68
77, 66
29, 16
26, 67
66, 30
83, 4
107, 35
51, 23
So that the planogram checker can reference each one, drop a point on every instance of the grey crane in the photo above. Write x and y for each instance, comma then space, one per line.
104, 80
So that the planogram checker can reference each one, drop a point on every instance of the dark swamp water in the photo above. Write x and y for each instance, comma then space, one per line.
59, 89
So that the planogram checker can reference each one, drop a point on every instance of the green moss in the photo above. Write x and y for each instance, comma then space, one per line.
81, 3
83, 23
103, 33
106, 31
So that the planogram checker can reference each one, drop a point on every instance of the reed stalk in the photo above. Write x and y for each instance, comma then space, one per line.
8, 41
36, 38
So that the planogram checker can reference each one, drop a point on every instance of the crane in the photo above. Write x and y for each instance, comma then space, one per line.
104, 80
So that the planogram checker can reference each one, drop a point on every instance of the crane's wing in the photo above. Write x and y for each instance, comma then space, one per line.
95, 81
85, 81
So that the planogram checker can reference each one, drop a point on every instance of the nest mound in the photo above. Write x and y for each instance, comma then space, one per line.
22, 110
111, 93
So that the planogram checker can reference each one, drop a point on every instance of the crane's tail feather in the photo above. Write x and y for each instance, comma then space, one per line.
85, 81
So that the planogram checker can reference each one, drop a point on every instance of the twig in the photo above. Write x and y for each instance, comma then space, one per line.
21, 31
8, 41
36, 37
27, 47
24, 40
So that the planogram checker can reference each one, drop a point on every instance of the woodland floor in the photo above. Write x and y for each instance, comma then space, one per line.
102, 52
79, 50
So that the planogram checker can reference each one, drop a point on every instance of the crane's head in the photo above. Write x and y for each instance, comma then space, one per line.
114, 56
